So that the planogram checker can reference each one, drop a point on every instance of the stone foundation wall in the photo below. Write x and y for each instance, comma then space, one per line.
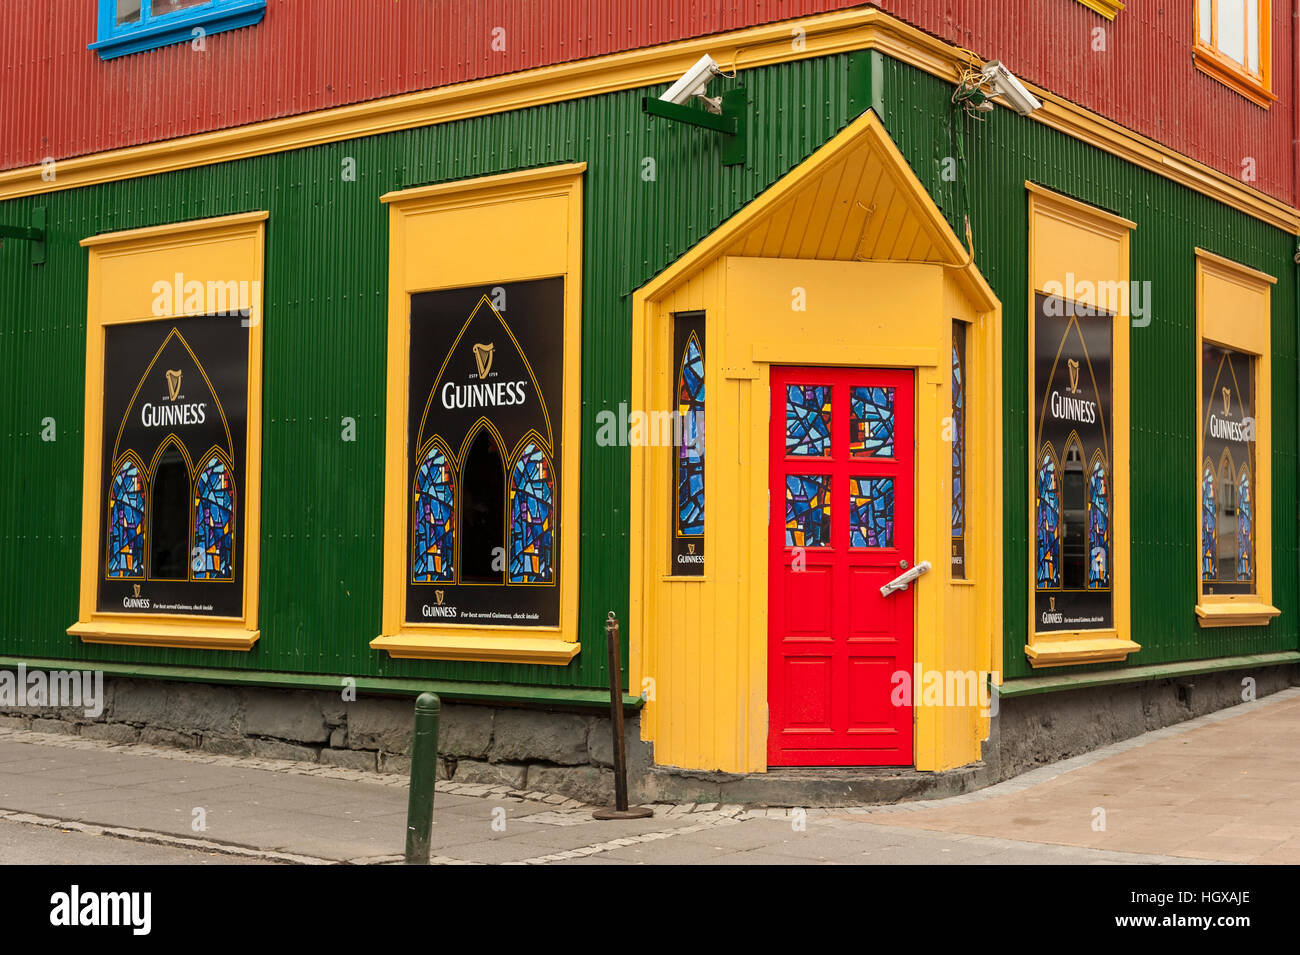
547, 750
570, 752
1031, 731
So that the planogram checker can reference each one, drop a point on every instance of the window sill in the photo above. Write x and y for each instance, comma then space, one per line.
1253, 614
495, 646
1233, 77
180, 29
196, 635
1072, 649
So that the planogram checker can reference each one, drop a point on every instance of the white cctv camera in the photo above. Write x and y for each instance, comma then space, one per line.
693, 83
1004, 83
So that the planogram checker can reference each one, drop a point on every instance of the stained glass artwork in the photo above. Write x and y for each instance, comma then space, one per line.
1098, 528
434, 508
871, 422
808, 420
1209, 524
1048, 521
958, 446
871, 512
807, 510
690, 458
214, 522
532, 531
126, 523
1245, 528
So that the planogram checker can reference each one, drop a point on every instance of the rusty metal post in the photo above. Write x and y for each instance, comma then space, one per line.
620, 810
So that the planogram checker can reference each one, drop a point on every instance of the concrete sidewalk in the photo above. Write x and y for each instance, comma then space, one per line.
1224, 787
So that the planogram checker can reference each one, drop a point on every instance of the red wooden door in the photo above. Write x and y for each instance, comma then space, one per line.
842, 487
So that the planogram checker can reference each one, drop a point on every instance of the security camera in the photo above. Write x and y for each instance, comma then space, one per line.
1004, 83
693, 83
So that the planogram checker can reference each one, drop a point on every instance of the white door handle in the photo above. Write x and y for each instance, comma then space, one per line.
906, 577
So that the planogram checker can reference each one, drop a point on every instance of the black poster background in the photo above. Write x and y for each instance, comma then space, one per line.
534, 313
1084, 335
687, 553
221, 344
1224, 368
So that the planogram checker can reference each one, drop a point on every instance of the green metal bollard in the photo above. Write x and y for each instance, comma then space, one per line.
424, 773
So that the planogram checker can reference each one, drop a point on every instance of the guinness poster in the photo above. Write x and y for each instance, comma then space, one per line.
1227, 472
687, 507
175, 406
1072, 466
484, 439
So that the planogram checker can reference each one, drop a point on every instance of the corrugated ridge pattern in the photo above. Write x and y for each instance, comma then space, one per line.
1171, 223
59, 99
325, 354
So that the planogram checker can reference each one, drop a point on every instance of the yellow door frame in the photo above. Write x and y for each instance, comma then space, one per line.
782, 282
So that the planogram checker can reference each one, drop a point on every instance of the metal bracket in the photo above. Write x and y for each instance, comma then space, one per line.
732, 122
35, 234
906, 577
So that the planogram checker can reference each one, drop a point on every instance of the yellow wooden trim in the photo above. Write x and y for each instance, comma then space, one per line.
187, 636
1253, 614
1107, 8
1256, 87
123, 267
505, 646
1234, 308
1069, 236
1078, 648
1229, 270
471, 192
506, 228
824, 35
1080, 214
701, 646
132, 241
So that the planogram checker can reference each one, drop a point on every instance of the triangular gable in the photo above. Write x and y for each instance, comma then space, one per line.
854, 199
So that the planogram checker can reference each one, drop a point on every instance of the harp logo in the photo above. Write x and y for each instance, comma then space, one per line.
690, 548
438, 609
1053, 602
173, 385
1227, 402
483, 358
1074, 376
135, 601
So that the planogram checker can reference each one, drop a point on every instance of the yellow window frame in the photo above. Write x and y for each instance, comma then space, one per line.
1255, 86
123, 267
1233, 308
511, 227
1068, 236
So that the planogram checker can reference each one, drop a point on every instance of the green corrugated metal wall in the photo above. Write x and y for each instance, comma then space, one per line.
326, 264
1003, 153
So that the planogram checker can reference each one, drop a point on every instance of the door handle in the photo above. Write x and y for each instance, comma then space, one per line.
906, 577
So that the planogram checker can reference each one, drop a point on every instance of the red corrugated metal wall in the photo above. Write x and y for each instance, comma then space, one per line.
1145, 79
59, 99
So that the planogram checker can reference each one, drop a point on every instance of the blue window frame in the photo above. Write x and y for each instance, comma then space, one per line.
132, 26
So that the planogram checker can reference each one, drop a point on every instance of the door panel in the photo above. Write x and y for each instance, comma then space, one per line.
841, 526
